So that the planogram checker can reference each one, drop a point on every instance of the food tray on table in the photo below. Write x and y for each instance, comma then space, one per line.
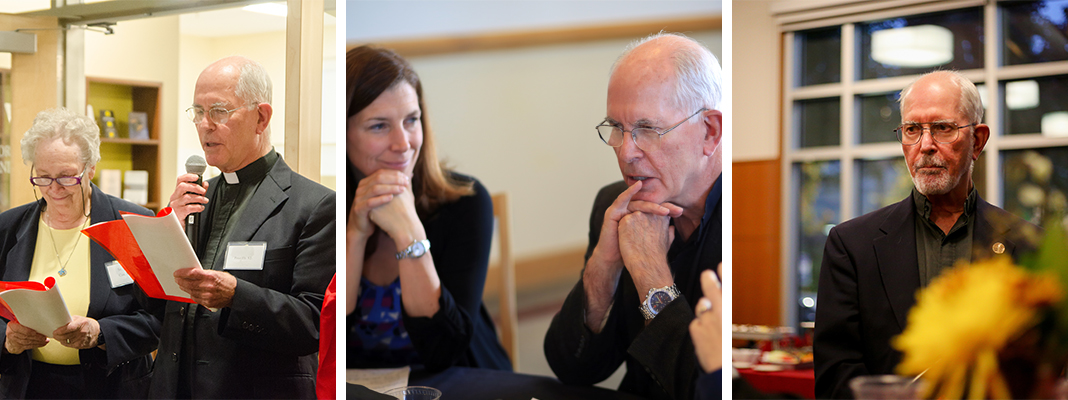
760, 332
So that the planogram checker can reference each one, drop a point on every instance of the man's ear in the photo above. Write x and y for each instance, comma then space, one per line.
712, 120
264, 111
982, 134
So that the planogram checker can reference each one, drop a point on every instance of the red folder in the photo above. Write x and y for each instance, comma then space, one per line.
116, 238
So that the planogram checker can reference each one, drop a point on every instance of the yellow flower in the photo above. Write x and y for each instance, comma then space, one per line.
964, 317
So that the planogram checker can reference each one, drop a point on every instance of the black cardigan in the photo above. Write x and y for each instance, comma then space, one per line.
461, 333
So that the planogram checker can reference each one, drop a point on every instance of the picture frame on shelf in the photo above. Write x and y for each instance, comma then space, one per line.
108, 128
138, 125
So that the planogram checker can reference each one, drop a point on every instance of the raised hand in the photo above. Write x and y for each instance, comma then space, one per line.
188, 197
374, 191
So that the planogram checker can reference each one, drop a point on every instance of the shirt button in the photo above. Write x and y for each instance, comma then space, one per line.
181, 311
174, 357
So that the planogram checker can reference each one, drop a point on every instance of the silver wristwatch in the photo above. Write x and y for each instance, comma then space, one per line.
415, 250
657, 299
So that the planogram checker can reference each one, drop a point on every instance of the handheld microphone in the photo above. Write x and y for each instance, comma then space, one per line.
194, 165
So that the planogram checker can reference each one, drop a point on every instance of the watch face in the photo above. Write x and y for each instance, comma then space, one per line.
418, 250
659, 300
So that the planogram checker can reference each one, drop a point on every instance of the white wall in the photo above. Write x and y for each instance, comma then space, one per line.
522, 121
756, 96
143, 50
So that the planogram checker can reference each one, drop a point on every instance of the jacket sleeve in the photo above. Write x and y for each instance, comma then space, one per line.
286, 320
461, 261
128, 335
837, 344
131, 331
710, 386
576, 354
8, 223
666, 350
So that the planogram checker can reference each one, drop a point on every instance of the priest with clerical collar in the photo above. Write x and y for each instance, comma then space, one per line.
266, 245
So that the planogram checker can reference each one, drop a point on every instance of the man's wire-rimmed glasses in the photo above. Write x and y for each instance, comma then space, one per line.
218, 115
941, 132
647, 139
62, 180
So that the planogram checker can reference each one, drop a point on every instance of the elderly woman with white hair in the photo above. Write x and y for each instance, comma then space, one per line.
104, 352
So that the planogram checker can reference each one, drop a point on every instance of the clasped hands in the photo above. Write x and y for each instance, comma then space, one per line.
79, 333
636, 234
385, 199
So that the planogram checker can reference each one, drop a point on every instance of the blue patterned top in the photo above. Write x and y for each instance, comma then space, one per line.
376, 335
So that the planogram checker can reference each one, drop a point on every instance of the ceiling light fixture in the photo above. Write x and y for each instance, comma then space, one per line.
1055, 124
1021, 95
913, 46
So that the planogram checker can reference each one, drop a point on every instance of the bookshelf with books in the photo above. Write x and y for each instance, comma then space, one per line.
119, 152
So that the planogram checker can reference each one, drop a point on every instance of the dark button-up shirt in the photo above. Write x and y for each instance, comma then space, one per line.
937, 250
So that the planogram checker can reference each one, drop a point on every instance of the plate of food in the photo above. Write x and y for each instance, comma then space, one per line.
795, 360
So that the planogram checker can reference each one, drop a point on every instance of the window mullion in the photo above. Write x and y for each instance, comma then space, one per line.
849, 126
993, 117
789, 229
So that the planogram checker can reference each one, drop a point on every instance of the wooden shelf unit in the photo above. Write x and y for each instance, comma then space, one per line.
123, 96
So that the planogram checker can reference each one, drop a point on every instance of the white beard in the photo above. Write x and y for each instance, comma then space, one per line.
942, 182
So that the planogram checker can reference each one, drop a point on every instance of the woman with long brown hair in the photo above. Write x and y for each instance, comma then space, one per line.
408, 304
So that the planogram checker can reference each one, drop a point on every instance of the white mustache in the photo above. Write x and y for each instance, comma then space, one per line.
929, 161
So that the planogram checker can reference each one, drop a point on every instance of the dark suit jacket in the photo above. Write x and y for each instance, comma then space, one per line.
264, 344
130, 332
660, 357
868, 283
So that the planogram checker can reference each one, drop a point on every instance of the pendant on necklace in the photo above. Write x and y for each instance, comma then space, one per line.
63, 272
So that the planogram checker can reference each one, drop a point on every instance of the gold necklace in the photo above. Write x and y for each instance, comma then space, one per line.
63, 266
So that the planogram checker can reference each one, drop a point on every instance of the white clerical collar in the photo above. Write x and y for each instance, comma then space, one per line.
231, 177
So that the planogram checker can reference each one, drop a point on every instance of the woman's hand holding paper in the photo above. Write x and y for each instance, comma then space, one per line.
80, 333
20, 338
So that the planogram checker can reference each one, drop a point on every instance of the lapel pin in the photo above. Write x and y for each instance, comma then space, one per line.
998, 248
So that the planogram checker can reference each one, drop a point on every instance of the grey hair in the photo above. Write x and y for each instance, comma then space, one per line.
65, 124
253, 85
971, 104
697, 72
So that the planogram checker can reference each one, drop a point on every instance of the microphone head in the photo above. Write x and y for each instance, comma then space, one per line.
195, 165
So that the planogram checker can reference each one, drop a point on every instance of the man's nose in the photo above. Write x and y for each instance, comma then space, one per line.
629, 150
927, 143
205, 123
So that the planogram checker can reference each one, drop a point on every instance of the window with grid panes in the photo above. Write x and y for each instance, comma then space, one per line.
841, 158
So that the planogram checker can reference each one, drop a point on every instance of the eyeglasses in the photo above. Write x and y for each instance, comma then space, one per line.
647, 139
941, 132
217, 115
62, 181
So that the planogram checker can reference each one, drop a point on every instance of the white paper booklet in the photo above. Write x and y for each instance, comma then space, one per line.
38, 306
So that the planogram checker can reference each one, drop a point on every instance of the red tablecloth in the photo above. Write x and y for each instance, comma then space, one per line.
800, 382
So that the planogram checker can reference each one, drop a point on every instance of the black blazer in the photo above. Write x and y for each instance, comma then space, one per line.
660, 358
868, 283
264, 344
131, 333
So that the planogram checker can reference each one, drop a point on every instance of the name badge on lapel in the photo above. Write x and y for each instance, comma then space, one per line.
246, 256
117, 275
